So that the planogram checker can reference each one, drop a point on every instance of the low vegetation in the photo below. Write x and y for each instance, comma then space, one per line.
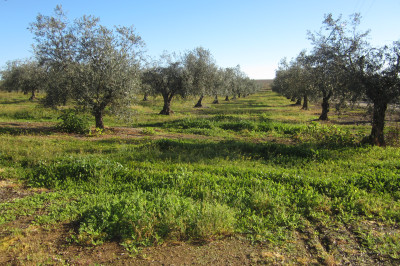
257, 169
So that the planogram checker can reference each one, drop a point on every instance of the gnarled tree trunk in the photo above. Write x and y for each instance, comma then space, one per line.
305, 102
227, 98
199, 104
378, 123
325, 106
167, 105
33, 95
298, 101
216, 100
98, 116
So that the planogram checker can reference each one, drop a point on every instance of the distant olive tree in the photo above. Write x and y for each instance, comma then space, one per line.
239, 83
26, 76
218, 84
229, 82
200, 65
169, 78
93, 65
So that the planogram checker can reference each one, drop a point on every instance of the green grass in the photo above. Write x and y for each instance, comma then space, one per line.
144, 191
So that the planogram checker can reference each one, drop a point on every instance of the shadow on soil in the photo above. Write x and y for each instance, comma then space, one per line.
17, 130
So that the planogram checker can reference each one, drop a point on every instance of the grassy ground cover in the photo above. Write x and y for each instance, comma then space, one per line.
257, 172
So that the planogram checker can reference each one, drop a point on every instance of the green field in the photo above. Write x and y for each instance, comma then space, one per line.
257, 172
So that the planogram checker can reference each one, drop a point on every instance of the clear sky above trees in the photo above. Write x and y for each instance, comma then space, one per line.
256, 34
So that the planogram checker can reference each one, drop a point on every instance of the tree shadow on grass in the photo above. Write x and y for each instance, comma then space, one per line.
15, 101
17, 130
203, 151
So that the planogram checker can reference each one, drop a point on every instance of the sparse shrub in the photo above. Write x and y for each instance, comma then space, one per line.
148, 131
96, 132
327, 135
71, 122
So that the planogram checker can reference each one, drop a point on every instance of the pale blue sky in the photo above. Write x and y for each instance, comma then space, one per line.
253, 33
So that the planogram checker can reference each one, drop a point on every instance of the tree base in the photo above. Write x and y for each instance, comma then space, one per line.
166, 112
371, 140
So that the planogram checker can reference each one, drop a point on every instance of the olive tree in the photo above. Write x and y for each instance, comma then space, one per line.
26, 76
218, 87
328, 68
229, 82
169, 78
295, 80
200, 65
366, 71
93, 65
378, 72
54, 49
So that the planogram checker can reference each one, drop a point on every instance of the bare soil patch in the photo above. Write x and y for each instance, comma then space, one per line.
9, 190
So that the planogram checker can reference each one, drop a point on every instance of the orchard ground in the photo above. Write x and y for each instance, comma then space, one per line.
254, 180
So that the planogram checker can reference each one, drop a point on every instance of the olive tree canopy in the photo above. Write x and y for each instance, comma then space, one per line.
200, 65
344, 65
93, 65
368, 71
169, 78
26, 76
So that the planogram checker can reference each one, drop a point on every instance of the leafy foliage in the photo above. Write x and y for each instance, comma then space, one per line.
97, 67
343, 65
71, 122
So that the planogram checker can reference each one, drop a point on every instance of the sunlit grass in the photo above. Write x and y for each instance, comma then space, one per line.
256, 166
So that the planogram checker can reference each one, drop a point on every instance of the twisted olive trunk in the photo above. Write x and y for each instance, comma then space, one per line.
98, 116
33, 95
216, 100
305, 103
325, 106
167, 105
378, 123
199, 104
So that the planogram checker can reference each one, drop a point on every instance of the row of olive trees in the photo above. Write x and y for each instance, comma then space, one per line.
97, 68
194, 74
26, 76
344, 66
